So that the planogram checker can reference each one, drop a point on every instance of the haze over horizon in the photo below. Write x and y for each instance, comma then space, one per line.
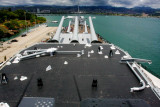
115, 3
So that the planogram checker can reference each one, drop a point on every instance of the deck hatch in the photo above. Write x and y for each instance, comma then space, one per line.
37, 102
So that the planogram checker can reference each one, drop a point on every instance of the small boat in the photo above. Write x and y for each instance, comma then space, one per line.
55, 21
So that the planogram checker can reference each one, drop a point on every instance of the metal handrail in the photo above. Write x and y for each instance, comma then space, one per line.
46, 51
140, 79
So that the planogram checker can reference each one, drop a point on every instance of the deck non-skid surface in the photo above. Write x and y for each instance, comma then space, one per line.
71, 83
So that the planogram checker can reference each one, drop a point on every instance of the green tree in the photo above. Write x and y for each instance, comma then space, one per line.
28, 16
1, 33
2, 19
20, 13
22, 23
33, 18
11, 15
41, 19
3, 15
9, 9
15, 23
10, 26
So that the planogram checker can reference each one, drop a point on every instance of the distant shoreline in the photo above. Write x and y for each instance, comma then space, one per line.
131, 15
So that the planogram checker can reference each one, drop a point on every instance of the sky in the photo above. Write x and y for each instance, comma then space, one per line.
115, 3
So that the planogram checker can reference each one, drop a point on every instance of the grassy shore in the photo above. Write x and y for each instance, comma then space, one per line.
11, 22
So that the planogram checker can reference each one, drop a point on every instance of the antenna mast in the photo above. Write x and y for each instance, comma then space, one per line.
78, 7
25, 22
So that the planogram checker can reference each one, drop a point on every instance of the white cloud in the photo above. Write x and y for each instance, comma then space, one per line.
36, 2
134, 3
126, 3
117, 3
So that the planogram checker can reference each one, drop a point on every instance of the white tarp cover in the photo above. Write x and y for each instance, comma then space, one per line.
2, 104
23, 78
105, 56
48, 68
65, 62
117, 52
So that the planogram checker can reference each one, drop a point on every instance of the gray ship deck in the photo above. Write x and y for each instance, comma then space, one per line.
71, 83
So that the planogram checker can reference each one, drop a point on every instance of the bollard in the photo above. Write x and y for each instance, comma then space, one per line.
39, 83
4, 79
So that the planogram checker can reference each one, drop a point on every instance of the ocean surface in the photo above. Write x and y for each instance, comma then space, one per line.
140, 37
